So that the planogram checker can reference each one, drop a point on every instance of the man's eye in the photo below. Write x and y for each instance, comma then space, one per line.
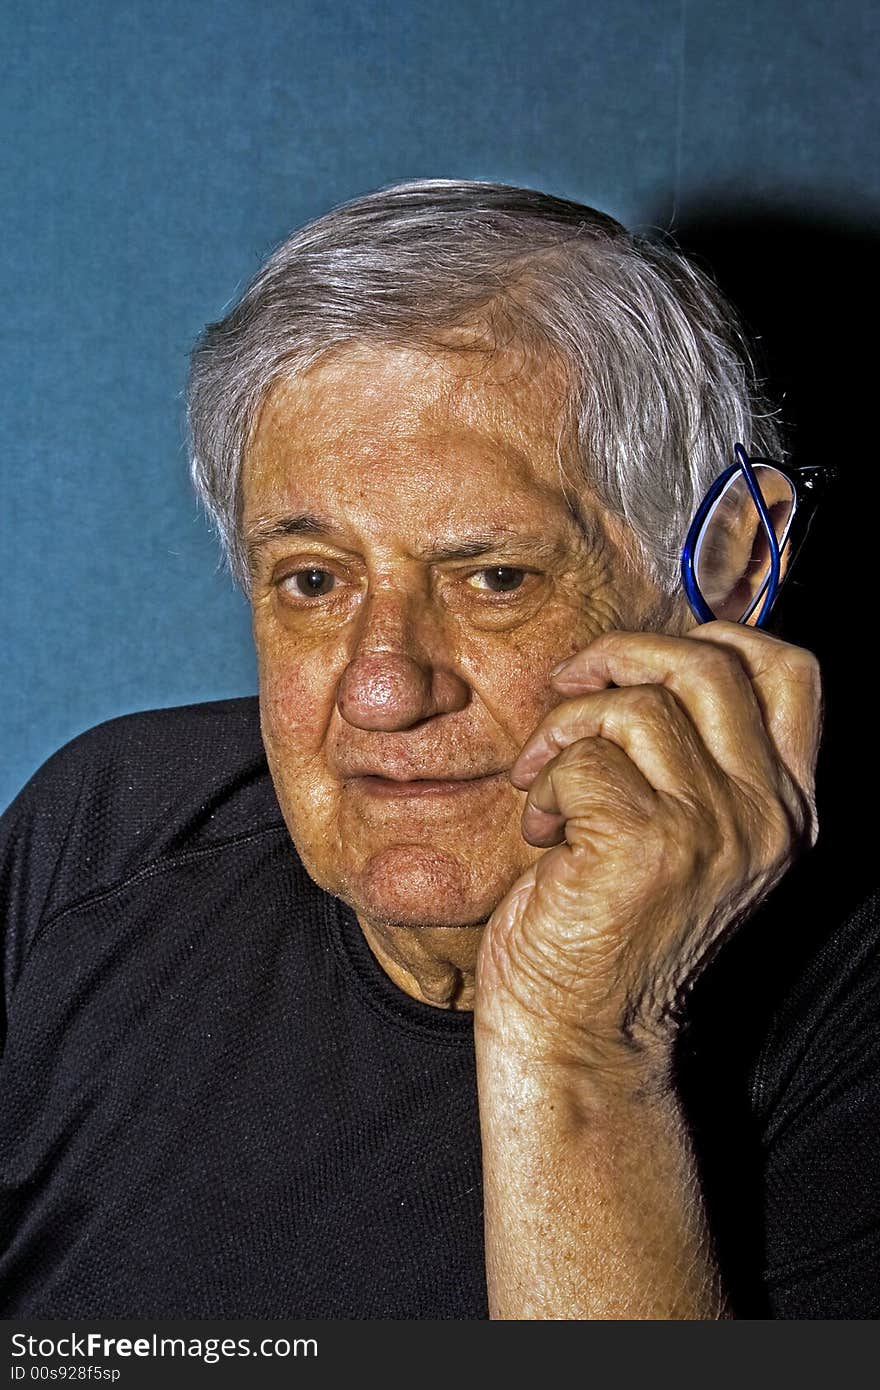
500, 579
312, 583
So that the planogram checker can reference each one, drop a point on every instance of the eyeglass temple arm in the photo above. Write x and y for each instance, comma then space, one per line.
775, 562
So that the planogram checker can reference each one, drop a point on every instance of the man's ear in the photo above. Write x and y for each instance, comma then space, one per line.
734, 556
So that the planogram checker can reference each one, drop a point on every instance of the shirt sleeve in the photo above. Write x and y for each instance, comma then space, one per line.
33, 833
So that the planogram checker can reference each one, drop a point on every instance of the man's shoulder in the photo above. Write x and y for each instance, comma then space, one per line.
145, 761
191, 742
135, 791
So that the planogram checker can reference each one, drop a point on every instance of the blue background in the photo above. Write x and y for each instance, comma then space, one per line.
153, 153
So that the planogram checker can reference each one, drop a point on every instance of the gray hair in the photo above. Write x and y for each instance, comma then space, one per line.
660, 382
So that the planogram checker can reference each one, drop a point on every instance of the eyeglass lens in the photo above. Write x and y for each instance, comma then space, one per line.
732, 553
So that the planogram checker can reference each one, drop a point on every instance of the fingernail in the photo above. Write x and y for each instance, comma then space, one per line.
561, 667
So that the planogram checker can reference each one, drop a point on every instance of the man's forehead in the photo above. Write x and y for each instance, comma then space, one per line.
369, 393
463, 438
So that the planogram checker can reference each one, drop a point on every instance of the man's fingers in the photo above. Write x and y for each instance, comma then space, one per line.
787, 682
747, 729
592, 787
645, 721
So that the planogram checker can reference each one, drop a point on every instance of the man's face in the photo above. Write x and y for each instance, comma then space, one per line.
417, 573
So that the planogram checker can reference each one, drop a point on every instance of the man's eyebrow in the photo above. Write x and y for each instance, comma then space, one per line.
540, 547
521, 543
267, 529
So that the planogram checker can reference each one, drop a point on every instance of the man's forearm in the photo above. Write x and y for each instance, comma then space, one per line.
593, 1207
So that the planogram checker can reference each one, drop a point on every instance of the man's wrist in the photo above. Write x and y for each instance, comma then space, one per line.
590, 1070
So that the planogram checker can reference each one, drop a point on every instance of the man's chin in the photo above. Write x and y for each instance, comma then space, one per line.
416, 886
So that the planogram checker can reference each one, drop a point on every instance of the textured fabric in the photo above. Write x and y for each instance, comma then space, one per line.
215, 1103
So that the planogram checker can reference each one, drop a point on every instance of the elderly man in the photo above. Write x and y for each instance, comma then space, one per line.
373, 998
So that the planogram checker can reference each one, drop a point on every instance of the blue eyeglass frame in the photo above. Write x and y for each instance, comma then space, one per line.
808, 484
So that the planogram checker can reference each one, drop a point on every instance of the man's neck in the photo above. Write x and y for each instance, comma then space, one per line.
434, 964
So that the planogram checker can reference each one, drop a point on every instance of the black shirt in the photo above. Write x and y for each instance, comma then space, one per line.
216, 1104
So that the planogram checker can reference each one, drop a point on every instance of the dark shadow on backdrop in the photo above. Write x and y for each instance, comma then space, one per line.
804, 287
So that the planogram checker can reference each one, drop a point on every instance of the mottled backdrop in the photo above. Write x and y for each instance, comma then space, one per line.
154, 151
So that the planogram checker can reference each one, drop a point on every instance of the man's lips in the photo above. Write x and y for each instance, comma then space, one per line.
373, 784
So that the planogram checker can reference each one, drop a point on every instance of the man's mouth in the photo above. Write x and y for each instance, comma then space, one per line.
374, 785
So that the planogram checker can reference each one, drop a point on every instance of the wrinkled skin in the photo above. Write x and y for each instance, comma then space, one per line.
676, 803
408, 667
683, 795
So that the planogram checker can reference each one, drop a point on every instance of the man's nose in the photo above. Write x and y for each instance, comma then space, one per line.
398, 674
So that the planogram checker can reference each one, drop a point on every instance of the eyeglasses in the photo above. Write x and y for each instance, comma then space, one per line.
746, 535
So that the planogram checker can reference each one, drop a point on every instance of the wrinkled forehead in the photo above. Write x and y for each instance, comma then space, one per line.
369, 399
429, 445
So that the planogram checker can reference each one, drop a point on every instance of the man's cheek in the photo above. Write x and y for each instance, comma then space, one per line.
519, 698
296, 703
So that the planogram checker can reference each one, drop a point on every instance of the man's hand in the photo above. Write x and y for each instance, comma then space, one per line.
676, 780
675, 784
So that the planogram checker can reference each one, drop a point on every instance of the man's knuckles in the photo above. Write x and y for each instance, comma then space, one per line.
707, 664
735, 834
789, 823
585, 773
803, 668
585, 783
631, 705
